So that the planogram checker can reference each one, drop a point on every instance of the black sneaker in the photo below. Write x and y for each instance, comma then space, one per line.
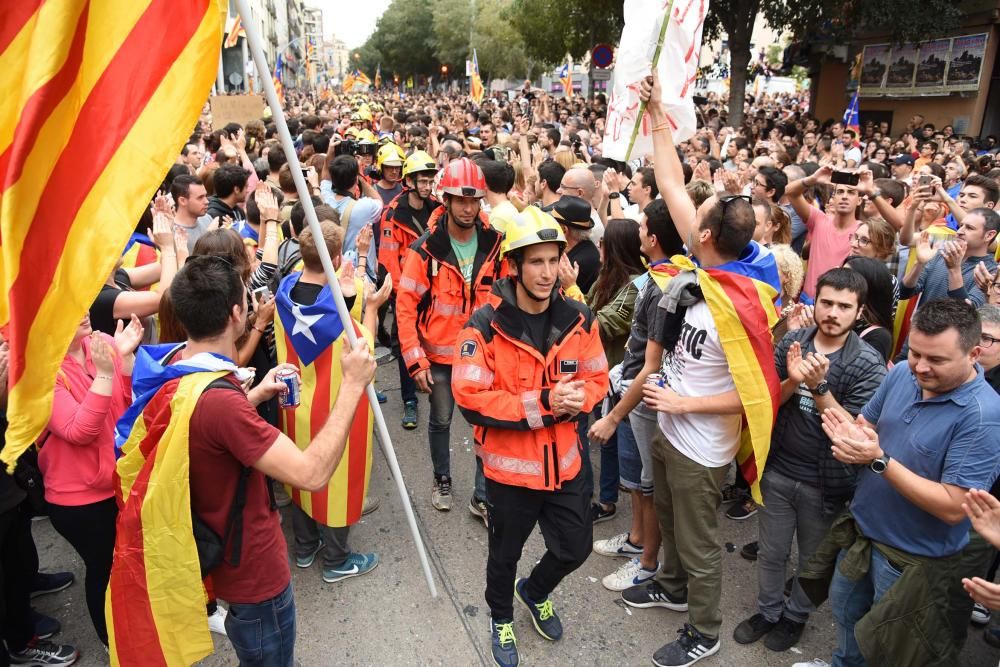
785, 635
598, 513
45, 626
749, 551
503, 643
742, 511
690, 647
652, 594
45, 654
50, 582
752, 629
544, 618
409, 419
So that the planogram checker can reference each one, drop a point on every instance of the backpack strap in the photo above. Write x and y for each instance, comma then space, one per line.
345, 217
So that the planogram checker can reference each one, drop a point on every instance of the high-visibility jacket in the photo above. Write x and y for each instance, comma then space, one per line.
433, 302
503, 383
399, 230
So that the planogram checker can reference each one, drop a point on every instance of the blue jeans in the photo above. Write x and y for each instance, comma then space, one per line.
264, 633
851, 600
439, 428
609, 465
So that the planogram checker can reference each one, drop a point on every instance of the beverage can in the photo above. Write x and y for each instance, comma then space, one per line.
655, 378
291, 398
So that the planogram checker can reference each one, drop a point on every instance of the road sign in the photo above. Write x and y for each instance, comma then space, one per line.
602, 55
600, 75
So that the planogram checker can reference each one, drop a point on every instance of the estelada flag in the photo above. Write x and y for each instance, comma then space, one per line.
109, 81
566, 78
476, 90
743, 311
311, 337
237, 31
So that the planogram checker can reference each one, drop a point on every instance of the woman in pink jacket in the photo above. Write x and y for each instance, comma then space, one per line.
77, 457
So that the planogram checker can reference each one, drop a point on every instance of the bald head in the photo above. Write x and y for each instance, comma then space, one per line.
579, 182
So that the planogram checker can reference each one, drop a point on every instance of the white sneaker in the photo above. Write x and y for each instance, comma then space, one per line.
628, 575
980, 614
617, 546
815, 662
217, 621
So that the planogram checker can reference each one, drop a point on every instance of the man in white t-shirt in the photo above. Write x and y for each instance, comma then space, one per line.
355, 214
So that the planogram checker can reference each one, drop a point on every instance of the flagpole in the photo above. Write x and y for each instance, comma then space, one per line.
277, 114
656, 59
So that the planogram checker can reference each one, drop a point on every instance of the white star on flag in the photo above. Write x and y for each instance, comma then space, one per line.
304, 322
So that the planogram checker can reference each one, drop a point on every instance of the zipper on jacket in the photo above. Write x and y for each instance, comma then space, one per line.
555, 464
545, 464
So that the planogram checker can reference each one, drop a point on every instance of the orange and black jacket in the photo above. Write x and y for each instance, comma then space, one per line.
502, 383
433, 302
399, 230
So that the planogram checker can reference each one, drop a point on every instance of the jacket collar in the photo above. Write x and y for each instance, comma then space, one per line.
438, 243
508, 320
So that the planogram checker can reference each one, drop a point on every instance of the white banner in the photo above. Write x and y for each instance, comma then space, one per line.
677, 66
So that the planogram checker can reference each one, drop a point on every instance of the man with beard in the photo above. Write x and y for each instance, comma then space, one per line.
405, 219
826, 366
448, 273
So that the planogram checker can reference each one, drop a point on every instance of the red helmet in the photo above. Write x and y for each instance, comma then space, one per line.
463, 178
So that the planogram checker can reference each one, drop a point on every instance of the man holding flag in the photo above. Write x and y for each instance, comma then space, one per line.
717, 397
308, 333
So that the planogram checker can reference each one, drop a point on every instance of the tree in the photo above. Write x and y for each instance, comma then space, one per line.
499, 47
551, 29
400, 41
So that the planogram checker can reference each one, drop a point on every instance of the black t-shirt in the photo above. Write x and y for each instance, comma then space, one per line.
537, 326
421, 216
102, 312
878, 337
588, 257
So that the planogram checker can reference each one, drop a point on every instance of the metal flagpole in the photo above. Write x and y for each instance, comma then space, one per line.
277, 114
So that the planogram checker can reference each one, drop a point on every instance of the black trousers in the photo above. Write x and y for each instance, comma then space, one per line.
91, 531
18, 565
564, 518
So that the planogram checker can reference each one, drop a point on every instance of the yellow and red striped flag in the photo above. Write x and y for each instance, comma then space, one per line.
107, 81
237, 31
743, 311
311, 338
476, 90
939, 233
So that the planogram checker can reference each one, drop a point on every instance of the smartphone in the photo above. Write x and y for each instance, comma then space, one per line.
261, 294
924, 180
844, 178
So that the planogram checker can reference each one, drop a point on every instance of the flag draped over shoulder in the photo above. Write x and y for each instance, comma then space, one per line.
476, 91
108, 81
155, 604
743, 311
312, 338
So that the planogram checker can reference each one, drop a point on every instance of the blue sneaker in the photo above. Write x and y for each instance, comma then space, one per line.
45, 626
382, 398
355, 565
503, 643
310, 558
542, 615
50, 582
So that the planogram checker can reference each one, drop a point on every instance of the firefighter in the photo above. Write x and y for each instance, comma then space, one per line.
448, 273
524, 370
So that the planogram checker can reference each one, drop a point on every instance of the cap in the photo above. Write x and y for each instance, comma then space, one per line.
904, 159
572, 211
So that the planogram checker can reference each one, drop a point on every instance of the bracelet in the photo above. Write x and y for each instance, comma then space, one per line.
274, 220
661, 126
257, 330
614, 195
103, 377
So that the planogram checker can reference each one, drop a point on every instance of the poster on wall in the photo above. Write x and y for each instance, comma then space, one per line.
902, 68
875, 62
966, 62
931, 66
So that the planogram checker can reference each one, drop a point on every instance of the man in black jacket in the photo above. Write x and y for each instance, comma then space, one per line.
826, 366
230, 181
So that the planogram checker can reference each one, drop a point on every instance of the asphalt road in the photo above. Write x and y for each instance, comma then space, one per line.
388, 617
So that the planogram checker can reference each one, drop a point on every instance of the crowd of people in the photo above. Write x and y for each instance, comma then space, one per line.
791, 319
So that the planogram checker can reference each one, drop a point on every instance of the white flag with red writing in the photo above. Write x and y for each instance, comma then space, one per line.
677, 66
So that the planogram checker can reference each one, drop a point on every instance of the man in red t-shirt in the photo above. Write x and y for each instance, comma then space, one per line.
226, 435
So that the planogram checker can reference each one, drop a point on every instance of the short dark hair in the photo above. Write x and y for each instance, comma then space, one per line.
499, 175
321, 144
181, 187
552, 173
894, 191
553, 135
649, 181
227, 178
276, 158
344, 173
939, 315
203, 294
776, 180
297, 218
991, 219
842, 278
253, 211
732, 225
661, 225
990, 186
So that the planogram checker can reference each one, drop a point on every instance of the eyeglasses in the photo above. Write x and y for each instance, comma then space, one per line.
726, 200
986, 340
995, 287
862, 241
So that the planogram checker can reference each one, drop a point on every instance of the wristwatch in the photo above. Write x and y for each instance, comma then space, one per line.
822, 389
879, 465
614, 195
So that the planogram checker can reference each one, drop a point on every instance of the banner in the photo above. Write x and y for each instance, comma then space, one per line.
902, 69
875, 62
931, 66
671, 38
966, 64
236, 109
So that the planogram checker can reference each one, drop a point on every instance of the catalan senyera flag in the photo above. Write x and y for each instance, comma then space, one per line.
378, 76
743, 311
939, 233
237, 31
566, 78
311, 337
476, 90
105, 80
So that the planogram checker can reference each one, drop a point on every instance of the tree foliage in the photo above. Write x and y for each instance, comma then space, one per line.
553, 28
400, 41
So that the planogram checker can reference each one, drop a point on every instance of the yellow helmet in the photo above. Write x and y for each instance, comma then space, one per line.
531, 227
418, 162
366, 135
365, 111
389, 155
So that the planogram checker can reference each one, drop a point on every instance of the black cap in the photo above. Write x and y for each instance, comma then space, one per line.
572, 211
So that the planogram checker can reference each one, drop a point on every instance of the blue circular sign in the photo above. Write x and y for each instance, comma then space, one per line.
602, 55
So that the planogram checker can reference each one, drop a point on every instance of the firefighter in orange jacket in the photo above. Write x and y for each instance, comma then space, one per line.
524, 369
404, 220
448, 273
